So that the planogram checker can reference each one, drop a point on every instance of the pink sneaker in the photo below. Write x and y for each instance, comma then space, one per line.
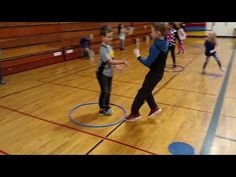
133, 117
154, 112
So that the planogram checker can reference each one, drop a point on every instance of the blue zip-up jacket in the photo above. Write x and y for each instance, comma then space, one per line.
156, 59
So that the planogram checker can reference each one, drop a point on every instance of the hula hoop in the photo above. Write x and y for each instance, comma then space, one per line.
95, 126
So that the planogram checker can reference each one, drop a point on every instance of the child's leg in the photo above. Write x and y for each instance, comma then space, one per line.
218, 62
168, 51
205, 64
150, 99
181, 46
172, 49
103, 82
86, 52
109, 86
99, 78
123, 43
217, 59
145, 91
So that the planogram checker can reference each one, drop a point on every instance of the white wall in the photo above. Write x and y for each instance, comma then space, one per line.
222, 28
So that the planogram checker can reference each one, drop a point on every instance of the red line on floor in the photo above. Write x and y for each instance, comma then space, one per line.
98, 136
3, 152
21, 90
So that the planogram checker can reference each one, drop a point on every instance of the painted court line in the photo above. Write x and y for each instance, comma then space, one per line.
225, 138
21, 90
3, 152
209, 138
134, 83
199, 110
65, 126
186, 90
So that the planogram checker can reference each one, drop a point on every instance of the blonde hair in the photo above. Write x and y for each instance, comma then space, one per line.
211, 37
161, 27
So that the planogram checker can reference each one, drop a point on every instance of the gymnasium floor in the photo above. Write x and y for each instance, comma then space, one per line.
34, 107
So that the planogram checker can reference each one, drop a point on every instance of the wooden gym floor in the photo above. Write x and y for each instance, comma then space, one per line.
34, 107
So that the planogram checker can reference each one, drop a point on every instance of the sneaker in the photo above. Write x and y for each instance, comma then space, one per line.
133, 117
222, 69
104, 112
2, 82
154, 112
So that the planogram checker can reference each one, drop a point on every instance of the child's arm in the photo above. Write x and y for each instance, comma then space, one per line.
110, 58
151, 57
117, 62
212, 51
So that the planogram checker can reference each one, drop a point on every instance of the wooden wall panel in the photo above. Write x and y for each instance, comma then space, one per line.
27, 45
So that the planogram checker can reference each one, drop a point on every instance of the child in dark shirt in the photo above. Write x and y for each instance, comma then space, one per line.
85, 43
210, 50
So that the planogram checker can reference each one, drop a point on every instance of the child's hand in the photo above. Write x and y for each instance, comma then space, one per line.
125, 63
212, 51
136, 52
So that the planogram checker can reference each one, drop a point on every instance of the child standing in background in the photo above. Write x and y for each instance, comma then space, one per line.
182, 36
171, 37
85, 43
210, 50
121, 33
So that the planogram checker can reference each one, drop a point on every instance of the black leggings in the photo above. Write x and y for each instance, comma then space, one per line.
172, 50
145, 92
105, 85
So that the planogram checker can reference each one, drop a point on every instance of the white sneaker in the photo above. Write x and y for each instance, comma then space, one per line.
222, 69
